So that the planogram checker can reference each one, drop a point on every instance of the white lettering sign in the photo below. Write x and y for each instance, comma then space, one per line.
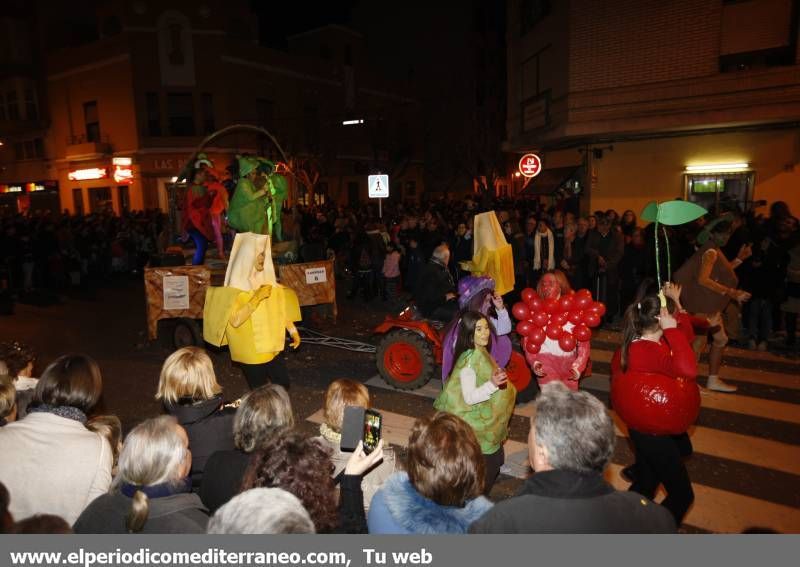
316, 275
176, 292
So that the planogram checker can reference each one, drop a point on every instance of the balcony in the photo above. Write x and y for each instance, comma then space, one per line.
80, 146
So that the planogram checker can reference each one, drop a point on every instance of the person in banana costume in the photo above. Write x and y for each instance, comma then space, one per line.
252, 312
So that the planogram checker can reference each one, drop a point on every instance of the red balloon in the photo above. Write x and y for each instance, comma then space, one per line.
532, 347
524, 328
536, 304
598, 308
565, 303
591, 319
551, 306
554, 331
559, 318
582, 333
584, 293
567, 342
575, 317
540, 318
528, 294
536, 336
520, 311
583, 302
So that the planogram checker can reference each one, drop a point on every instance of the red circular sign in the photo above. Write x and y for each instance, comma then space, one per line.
530, 165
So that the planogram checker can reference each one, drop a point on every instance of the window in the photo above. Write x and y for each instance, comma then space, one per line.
19, 151
92, 120
31, 109
38, 147
180, 114
153, 114
175, 50
757, 34
100, 200
710, 189
208, 113
265, 113
531, 13
12, 109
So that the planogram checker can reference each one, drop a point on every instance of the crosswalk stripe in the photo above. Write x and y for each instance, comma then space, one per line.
764, 377
713, 510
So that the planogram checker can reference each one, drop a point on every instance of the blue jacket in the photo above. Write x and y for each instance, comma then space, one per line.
398, 508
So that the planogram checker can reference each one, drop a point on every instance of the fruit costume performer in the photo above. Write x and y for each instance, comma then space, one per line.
219, 203
492, 255
248, 207
252, 312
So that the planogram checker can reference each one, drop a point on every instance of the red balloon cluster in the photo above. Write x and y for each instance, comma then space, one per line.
539, 319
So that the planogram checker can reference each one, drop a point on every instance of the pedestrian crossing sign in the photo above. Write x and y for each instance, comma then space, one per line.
378, 186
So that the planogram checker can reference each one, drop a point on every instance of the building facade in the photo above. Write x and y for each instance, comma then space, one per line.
127, 108
629, 101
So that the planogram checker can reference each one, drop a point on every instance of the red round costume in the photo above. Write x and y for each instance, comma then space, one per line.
658, 394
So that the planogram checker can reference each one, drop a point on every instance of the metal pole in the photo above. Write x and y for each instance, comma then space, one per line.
380, 209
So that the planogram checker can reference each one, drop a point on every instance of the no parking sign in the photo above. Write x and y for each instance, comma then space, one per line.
530, 165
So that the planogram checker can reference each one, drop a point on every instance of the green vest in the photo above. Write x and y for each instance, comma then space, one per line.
488, 419
246, 212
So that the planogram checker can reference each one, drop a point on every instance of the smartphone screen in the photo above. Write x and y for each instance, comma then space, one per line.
372, 430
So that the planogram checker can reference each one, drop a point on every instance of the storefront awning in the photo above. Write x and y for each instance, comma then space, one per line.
550, 180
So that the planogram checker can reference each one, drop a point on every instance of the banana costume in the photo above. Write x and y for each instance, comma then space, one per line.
252, 312
492, 255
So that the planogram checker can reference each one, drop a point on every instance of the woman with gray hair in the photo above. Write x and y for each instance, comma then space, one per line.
152, 492
263, 412
262, 511
571, 442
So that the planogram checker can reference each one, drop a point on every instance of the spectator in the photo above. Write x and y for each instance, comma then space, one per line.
19, 359
52, 464
6, 520
110, 428
461, 245
262, 511
791, 307
189, 391
570, 444
628, 225
262, 414
391, 274
340, 394
575, 258
544, 252
442, 491
8, 401
152, 492
604, 248
632, 267
42, 524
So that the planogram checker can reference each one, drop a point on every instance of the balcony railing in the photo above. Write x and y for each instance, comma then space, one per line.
82, 145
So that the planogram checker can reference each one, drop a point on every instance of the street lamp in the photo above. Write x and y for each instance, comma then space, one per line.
352, 122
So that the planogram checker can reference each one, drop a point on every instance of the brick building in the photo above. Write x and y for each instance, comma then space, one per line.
125, 106
628, 101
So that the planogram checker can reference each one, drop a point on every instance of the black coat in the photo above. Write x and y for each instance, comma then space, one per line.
561, 501
435, 282
176, 514
222, 477
209, 427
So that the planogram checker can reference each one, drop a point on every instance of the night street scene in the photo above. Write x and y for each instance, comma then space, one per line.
486, 267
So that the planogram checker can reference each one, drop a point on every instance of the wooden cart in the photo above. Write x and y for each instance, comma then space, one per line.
313, 282
179, 293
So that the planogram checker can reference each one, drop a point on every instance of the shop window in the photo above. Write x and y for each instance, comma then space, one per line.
208, 113
124, 198
92, 121
100, 200
31, 108
153, 109
710, 190
77, 200
12, 107
180, 114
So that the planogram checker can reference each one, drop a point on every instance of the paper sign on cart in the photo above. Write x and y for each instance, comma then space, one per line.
316, 275
176, 293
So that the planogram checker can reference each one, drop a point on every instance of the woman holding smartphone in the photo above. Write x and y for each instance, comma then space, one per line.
478, 391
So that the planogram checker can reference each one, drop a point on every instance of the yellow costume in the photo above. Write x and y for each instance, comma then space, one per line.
491, 254
252, 312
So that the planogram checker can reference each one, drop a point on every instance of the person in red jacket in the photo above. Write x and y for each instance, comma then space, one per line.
653, 375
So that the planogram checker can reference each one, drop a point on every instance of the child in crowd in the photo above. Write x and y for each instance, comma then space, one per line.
391, 273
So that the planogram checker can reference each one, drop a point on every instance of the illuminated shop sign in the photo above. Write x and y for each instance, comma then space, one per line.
87, 174
10, 189
126, 161
123, 174
31, 187
530, 165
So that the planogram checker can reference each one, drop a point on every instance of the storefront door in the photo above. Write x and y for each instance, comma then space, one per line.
100, 200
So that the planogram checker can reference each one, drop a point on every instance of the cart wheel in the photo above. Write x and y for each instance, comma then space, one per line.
186, 333
405, 360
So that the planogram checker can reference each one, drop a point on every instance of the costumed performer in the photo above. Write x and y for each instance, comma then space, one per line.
653, 390
197, 216
558, 357
219, 204
478, 391
491, 254
252, 312
709, 284
247, 211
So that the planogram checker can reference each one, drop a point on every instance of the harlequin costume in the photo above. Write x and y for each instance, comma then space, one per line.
252, 312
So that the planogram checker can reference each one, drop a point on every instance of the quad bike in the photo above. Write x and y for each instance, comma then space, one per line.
410, 352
